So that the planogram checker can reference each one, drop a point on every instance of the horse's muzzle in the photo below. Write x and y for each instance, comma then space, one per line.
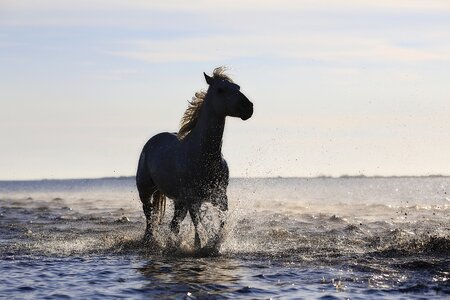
247, 110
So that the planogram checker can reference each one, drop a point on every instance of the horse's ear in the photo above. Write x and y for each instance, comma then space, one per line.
209, 80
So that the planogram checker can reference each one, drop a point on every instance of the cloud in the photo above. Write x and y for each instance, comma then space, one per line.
231, 5
302, 47
164, 56
136, 13
121, 74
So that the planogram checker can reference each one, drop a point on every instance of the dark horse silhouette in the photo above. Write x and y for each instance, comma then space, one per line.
188, 166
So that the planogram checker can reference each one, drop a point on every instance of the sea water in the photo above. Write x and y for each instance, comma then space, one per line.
287, 238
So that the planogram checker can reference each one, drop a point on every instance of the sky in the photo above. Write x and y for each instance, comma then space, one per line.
339, 87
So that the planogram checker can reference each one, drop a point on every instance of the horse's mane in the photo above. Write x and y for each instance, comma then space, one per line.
190, 116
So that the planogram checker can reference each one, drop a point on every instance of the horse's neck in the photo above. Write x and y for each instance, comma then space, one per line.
208, 131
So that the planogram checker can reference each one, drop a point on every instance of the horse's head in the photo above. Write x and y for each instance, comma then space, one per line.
227, 99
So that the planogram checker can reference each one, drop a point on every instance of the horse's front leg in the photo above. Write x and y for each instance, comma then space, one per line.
221, 201
180, 212
194, 211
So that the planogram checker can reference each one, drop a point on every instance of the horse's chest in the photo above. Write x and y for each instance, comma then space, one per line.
202, 183
200, 176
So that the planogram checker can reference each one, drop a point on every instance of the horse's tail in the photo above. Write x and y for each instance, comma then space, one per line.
159, 205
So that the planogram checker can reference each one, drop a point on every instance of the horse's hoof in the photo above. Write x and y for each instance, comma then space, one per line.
213, 246
207, 251
149, 240
172, 244
148, 243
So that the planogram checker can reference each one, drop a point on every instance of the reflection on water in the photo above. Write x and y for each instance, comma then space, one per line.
183, 276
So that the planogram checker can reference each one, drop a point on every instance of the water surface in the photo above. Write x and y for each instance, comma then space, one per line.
327, 238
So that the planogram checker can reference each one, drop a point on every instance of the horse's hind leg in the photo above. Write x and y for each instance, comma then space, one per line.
145, 194
148, 211
146, 188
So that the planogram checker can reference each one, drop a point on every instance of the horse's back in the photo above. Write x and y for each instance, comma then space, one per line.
160, 141
159, 148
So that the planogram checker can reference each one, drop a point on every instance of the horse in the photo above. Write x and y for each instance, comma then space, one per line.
188, 166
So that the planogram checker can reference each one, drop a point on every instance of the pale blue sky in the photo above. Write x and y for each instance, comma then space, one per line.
339, 87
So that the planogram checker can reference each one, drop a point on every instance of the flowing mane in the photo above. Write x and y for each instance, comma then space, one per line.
190, 116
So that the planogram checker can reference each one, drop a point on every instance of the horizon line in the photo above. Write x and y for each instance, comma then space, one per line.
343, 176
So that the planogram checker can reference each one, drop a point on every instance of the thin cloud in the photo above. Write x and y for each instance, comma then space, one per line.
122, 13
121, 74
231, 5
325, 48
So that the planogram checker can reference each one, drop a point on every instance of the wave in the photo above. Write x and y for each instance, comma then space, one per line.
50, 231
